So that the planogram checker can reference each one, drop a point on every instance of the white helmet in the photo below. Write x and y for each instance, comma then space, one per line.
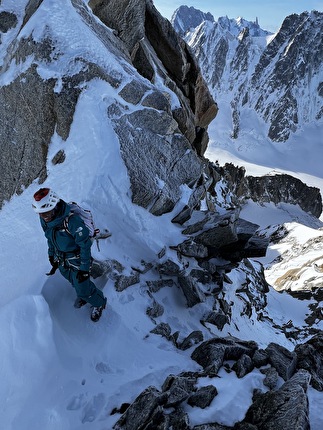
45, 200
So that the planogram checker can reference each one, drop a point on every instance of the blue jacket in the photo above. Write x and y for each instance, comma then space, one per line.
64, 245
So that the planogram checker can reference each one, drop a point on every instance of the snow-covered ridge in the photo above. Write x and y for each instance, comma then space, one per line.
277, 76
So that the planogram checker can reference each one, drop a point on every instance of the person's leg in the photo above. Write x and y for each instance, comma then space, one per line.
68, 275
87, 291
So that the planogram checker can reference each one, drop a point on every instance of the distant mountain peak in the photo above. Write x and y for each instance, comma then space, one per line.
186, 18
245, 67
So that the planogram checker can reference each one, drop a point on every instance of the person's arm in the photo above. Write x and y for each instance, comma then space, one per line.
82, 239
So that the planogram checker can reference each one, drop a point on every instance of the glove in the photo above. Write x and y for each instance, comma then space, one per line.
82, 276
54, 265
52, 261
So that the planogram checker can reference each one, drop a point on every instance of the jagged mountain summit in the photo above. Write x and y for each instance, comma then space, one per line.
186, 18
279, 77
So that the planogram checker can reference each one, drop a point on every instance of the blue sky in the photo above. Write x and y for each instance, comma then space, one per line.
270, 13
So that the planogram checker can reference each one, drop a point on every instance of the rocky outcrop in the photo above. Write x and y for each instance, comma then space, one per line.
38, 104
33, 108
284, 188
310, 357
225, 235
273, 407
156, 49
8, 20
158, 161
272, 188
285, 408
31, 112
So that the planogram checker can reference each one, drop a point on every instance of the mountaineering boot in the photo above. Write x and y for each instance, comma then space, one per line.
97, 311
79, 303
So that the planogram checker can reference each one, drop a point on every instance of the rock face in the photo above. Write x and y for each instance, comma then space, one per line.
279, 188
279, 80
154, 45
36, 105
271, 188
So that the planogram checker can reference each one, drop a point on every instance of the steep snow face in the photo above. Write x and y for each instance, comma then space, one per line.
277, 76
226, 52
290, 96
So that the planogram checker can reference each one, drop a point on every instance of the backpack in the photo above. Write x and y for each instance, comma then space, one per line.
85, 215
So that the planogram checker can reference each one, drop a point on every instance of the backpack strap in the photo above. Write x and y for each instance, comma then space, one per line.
65, 223
65, 226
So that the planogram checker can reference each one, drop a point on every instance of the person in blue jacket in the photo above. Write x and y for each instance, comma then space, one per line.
70, 251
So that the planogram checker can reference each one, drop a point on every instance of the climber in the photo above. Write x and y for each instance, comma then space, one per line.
69, 249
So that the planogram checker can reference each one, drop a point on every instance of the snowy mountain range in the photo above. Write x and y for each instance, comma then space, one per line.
206, 265
276, 76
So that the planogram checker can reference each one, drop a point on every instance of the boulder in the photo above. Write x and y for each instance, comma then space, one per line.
310, 357
7, 21
217, 318
203, 397
192, 339
271, 379
123, 281
243, 366
140, 411
283, 360
191, 290
286, 408
212, 353
176, 389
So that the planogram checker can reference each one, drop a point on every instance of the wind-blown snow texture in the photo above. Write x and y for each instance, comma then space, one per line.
58, 369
